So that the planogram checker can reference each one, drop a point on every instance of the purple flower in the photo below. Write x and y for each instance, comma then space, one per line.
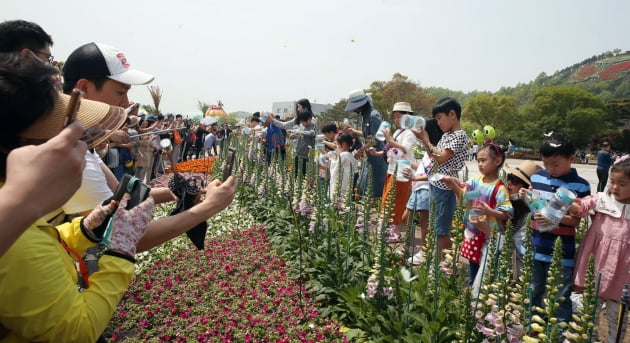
484, 330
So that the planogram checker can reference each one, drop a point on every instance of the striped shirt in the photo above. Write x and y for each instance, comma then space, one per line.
546, 185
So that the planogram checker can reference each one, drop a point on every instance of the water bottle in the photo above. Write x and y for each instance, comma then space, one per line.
556, 207
402, 164
320, 138
412, 122
379, 134
470, 196
470, 199
346, 122
319, 146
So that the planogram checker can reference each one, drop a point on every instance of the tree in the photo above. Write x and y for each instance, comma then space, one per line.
202, 106
156, 95
494, 110
399, 88
620, 109
568, 109
150, 109
336, 113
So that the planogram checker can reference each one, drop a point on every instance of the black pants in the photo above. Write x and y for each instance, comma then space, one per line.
276, 151
185, 151
300, 165
602, 175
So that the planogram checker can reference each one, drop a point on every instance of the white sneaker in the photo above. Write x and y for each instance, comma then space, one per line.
416, 259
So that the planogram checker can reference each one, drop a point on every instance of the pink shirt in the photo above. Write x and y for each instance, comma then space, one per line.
608, 239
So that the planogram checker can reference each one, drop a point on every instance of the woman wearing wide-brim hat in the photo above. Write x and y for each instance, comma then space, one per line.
361, 104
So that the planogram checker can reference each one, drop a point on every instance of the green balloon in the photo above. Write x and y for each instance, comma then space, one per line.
477, 136
489, 132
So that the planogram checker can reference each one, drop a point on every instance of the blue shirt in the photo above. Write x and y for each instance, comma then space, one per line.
604, 160
546, 185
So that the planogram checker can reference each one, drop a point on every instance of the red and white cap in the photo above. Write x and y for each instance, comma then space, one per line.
97, 60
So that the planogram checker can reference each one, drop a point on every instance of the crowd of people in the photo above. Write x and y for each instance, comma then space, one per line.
489, 201
61, 226
56, 190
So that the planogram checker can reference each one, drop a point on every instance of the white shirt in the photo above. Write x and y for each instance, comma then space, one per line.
345, 165
424, 166
94, 189
407, 139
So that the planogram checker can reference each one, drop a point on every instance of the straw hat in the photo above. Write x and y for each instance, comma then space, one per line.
133, 121
99, 121
524, 170
402, 107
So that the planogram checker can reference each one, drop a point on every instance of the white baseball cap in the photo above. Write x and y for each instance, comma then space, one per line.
97, 60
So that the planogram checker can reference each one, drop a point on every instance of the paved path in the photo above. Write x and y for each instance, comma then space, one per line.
587, 171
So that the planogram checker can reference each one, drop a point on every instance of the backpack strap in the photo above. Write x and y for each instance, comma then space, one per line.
493, 197
83, 269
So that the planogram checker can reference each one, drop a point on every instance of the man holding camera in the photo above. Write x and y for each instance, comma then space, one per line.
104, 74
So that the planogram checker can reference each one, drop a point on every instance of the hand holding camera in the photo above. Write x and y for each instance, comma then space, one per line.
128, 226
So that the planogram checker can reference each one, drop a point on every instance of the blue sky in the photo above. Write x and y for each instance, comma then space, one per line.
251, 53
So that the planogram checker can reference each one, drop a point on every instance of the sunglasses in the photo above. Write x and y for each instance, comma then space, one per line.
514, 179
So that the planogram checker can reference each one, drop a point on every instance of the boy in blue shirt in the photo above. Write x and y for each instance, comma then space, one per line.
558, 153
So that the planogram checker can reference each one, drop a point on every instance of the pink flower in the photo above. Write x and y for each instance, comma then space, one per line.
484, 330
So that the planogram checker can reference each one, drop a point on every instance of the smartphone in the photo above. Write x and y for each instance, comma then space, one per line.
229, 163
136, 189
73, 106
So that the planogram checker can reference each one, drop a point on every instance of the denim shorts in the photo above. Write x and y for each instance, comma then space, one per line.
419, 200
444, 210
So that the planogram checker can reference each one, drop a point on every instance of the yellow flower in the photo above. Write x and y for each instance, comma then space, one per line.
537, 327
527, 339
536, 318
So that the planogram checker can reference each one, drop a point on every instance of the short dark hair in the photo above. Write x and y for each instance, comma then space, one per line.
256, 114
16, 35
494, 151
434, 131
70, 83
445, 105
345, 138
27, 93
178, 116
330, 127
557, 144
303, 117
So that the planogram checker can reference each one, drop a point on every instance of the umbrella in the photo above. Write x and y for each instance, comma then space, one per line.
208, 120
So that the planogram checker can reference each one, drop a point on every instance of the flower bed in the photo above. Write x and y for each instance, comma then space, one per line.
611, 72
237, 290
584, 73
202, 165
341, 263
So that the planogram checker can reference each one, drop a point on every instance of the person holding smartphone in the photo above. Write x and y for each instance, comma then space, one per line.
98, 70
38, 277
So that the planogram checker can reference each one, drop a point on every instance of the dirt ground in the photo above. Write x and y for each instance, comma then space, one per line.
603, 327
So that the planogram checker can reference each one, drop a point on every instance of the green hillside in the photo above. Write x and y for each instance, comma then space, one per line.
589, 100
606, 75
